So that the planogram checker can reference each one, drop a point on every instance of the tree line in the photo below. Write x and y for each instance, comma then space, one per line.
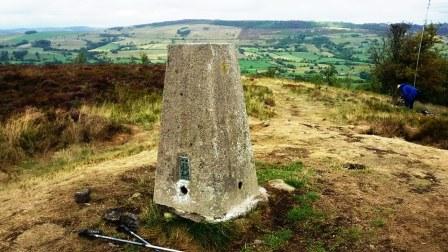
395, 59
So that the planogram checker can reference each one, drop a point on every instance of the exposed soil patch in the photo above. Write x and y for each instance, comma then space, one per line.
380, 201
404, 177
424, 184
279, 205
288, 154
419, 183
351, 138
380, 152
39, 236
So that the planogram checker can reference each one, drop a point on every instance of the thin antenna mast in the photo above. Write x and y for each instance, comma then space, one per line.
421, 42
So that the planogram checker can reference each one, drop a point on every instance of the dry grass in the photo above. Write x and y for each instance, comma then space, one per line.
260, 101
275, 226
31, 137
69, 86
36, 132
380, 115
45, 110
140, 110
333, 209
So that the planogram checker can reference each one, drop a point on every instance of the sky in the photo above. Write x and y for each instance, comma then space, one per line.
109, 13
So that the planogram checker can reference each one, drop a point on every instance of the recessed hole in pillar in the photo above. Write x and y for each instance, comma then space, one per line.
183, 190
240, 185
181, 94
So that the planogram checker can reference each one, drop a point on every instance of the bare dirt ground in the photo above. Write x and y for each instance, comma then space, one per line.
364, 179
403, 183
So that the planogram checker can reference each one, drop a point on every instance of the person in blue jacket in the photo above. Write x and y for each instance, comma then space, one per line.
409, 93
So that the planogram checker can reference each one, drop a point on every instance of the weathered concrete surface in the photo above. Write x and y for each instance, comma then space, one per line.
204, 118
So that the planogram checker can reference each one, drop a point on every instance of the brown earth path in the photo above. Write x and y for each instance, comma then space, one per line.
404, 184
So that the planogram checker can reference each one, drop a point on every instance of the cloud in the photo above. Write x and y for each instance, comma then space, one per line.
439, 11
107, 13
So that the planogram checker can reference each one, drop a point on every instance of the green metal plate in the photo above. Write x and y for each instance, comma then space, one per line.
184, 167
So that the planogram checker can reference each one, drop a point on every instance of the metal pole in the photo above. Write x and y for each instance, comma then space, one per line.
129, 231
147, 245
89, 233
421, 42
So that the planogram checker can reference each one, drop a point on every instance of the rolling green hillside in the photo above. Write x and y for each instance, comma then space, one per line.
293, 49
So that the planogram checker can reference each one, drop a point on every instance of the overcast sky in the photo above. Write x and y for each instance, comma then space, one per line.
107, 13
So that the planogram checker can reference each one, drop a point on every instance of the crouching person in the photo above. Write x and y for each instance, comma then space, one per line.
408, 93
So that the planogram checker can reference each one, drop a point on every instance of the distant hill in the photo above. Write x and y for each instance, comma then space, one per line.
293, 24
291, 49
50, 29
253, 24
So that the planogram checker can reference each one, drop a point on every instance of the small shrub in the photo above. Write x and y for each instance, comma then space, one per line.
132, 107
347, 237
215, 236
36, 132
433, 131
378, 105
289, 172
152, 215
259, 101
296, 183
316, 247
378, 223
278, 239
304, 214
307, 198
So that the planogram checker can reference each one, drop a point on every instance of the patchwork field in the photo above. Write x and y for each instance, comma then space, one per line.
295, 49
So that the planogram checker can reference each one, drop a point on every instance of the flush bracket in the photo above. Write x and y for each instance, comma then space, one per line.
184, 167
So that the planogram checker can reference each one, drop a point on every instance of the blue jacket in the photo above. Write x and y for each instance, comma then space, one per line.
408, 92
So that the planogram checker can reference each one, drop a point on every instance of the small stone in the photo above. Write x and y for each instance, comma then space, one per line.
82, 196
263, 196
258, 242
280, 184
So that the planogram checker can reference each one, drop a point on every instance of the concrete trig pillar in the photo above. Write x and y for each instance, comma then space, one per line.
205, 169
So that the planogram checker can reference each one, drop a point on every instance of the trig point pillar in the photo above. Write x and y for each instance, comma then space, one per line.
205, 170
